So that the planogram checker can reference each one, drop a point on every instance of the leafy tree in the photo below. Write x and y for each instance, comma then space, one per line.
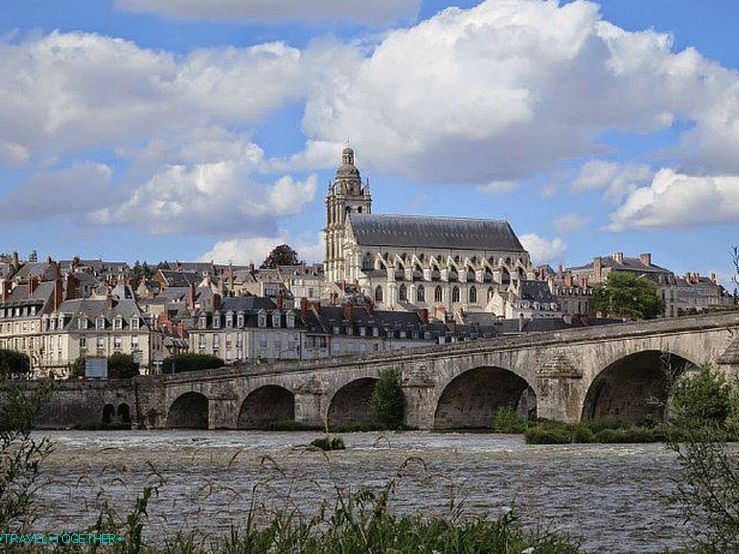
388, 401
13, 362
189, 361
627, 295
702, 398
78, 367
122, 366
33, 256
281, 255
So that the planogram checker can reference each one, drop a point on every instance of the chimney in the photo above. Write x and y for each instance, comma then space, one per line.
251, 268
304, 309
646, 258
16, 262
713, 277
58, 293
618, 257
32, 285
423, 315
280, 300
560, 270
568, 281
190, 298
75, 263
216, 301
597, 269
110, 301
349, 312
48, 259
4, 289
73, 283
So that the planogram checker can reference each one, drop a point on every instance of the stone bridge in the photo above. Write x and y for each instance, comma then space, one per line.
620, 371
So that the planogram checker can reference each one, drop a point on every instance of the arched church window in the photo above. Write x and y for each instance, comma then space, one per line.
491, 290
420, 294
403, 293
455, 294
367, 261
473, 295
378, 294
438, 294
453, 275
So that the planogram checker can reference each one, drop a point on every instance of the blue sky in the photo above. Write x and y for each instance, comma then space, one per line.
179, 134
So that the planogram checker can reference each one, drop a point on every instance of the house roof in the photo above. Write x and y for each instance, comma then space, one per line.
628, 264
434, 232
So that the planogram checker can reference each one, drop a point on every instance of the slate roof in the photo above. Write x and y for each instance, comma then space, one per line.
536, 291
19, 295
44, 270
434, 232
629, 264
181, 278
128, 309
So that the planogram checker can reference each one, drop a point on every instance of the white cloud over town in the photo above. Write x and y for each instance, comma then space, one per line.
543, 250
374, 12
615, 179
569, 222
256, 249
676, 200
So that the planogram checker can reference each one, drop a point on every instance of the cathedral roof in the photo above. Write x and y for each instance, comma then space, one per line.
434, 232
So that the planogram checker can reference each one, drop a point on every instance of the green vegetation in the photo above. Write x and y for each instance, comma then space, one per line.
290, 425
555, 432
122, 366
12, 362
508, 421
627, 295
702, 398
388, 401
328, 443
281, 255
180, 363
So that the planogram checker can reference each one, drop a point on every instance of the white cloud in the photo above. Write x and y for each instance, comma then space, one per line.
255, 249
66, 91
212, 198
511, 88
542, 250
13, 154
68, 193
358, 11
616, 179
569, 222
497, 187
676, 200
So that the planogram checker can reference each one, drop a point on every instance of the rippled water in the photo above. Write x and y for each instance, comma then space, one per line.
611, 496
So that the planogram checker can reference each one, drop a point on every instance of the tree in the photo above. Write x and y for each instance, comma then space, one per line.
189, 361
78, 367
122, 366
33, 256
627, 295
12, 362
281, 255
388, 401
702, 398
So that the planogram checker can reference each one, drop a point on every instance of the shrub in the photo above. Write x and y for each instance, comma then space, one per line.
180, 363
78, 367
702, 398
508, 421
388, 401
122, 366
13, 362
328, 443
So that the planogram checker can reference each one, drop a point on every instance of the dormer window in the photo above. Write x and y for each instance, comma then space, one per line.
375, 331
276, 317
229, 320
262, 318
336, 330
118, 323
290, 319
216, 320
100, 324
203, 322
240, 320
135, 323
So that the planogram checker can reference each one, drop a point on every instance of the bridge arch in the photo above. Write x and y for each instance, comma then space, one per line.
634, 388
188, 411
266, 405
108, 414
350, 407
470, 400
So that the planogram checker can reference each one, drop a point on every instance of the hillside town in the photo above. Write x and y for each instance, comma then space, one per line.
388, 283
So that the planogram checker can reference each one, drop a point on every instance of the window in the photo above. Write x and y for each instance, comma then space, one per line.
135, 323
421, 294
201, 341
216, 341
438, 295
203, 322
367, 262
135, 342
83, 343
116, 343
276, 317
118, 323
378, 294
100, 323
262, 319
101, 343
455, 294
229, 320
229, 341
403, 293
240, 321
262, 341
216, 320
290, 319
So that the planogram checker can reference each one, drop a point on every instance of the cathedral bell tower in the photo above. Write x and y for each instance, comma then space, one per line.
346, 195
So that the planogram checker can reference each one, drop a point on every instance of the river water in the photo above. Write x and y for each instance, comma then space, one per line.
613, 497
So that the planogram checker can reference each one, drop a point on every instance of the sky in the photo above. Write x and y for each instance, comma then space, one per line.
182, 130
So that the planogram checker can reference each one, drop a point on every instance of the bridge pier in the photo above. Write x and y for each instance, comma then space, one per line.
311, 403
418, 388
221, 410
560, 394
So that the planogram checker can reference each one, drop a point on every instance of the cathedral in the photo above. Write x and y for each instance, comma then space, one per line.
446, 265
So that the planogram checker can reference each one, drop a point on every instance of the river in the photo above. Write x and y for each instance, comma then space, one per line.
610, 496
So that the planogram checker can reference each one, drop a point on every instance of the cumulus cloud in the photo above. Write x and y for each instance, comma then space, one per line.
69, 193
210, 197
676, 200
615, 179
569, 222
373, 12
256, 249
511, 88
497, 187
542, 250
66, 91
